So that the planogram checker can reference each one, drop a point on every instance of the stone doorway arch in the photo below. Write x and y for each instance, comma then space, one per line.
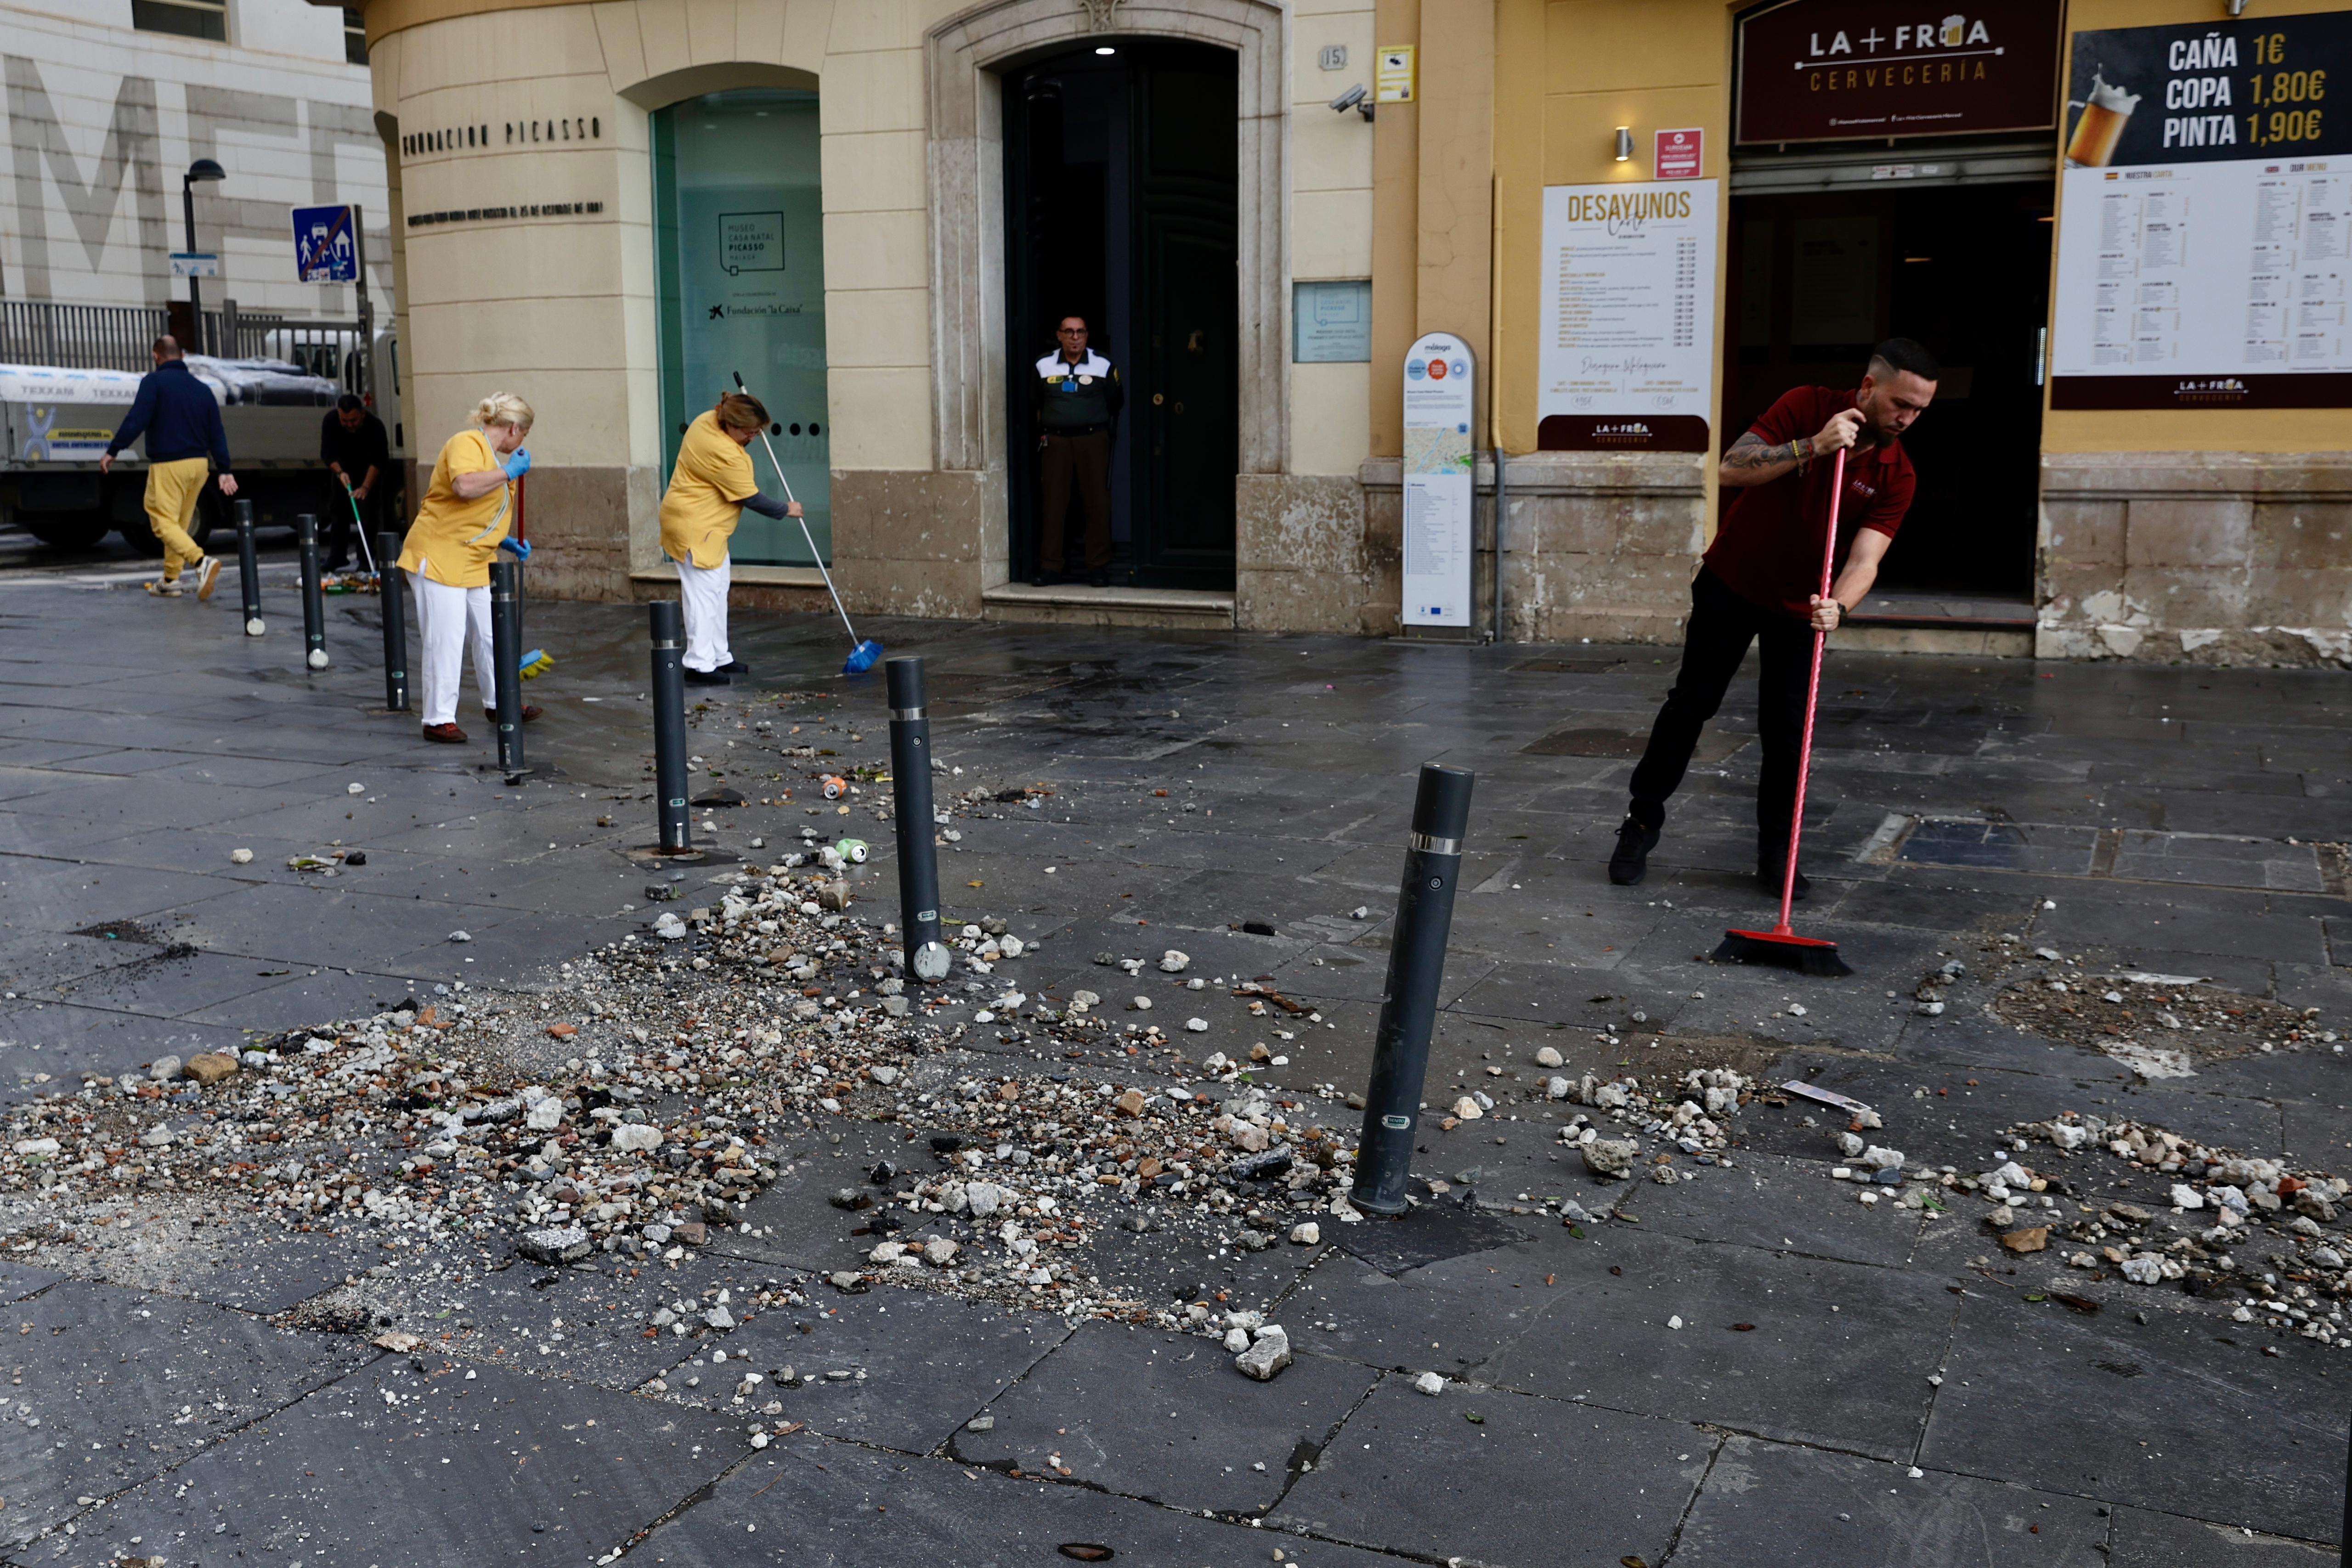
963, 57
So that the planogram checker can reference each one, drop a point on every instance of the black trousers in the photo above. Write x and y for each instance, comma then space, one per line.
335, 518
1722, 625
1080, 463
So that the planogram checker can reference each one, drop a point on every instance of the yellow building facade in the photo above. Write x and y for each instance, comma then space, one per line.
876, 211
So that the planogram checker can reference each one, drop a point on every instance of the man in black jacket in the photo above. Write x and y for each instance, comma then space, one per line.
1076, 399
177, 414
358, 455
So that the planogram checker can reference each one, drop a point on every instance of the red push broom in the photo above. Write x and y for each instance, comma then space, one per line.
1783, 945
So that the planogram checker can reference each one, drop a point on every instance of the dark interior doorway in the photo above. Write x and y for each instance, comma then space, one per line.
1818, 277
1121, 206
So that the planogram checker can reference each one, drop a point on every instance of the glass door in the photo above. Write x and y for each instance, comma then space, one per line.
739, 221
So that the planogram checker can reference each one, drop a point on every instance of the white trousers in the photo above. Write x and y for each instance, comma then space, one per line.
702, 595
443, 616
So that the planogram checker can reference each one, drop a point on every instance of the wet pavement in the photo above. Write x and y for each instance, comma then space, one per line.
1748, 1367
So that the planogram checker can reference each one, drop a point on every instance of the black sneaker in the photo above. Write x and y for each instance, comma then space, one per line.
736, 667
1769, 866
1632, 860
1041, 578
708, 678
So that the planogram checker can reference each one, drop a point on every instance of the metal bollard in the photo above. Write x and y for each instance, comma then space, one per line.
392, 589
1432, 866
248, 570
674, 837
506, 678
910, 791
314, 601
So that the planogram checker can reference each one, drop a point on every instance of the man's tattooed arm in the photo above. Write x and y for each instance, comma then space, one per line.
1751, 462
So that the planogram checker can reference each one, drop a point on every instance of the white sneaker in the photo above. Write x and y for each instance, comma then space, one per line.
162, 590
208, 575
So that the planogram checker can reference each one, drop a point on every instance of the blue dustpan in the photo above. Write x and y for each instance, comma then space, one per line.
863, 657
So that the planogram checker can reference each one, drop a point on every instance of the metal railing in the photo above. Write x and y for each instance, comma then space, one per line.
121, 337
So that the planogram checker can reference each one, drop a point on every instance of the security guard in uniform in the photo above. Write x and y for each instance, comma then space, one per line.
1077, 401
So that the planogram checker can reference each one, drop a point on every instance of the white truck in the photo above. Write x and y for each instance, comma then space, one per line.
56, 422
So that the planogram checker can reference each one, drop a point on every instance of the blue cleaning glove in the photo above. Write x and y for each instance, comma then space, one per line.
519, 463
520, 549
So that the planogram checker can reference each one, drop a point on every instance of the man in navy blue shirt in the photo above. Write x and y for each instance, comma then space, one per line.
177, 414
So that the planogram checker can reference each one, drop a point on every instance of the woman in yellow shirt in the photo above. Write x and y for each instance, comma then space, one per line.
708, 492
467, 511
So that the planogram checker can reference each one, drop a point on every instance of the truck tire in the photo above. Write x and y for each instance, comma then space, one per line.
141, 538
64, 530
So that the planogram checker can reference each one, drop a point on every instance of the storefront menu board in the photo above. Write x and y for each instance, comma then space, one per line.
1627, 354
1438, 403
1840, 71
2204, 212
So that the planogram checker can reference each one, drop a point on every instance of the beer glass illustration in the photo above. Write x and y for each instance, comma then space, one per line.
2104, 112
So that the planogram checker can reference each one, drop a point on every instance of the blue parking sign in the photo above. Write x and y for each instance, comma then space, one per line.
325, 244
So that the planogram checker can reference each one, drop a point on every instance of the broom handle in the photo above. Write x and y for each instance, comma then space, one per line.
815, 554
1813, 696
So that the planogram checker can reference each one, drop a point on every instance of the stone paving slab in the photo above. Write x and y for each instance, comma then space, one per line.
1835, 1354
829, 1505
446, 1466
930, 1361
95, 1367
1164, 1416
1504, 1478
2146, 1539
2150, 1414
1770, 1503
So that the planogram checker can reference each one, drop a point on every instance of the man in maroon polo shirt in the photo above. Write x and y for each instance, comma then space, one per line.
1756, 585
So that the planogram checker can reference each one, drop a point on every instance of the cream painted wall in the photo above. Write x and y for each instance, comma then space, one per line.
489, 300
1331, 223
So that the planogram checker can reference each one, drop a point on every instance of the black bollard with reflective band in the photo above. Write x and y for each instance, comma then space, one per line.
393, 588
910, 791
670, 728
1432, 865
314, 598
248, 570
506, 677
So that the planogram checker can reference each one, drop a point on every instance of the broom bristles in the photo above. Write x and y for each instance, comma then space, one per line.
1807, 956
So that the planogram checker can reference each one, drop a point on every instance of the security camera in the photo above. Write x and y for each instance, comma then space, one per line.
1352, 99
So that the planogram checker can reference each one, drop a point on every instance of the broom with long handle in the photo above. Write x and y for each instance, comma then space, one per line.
1783, 945
863, 653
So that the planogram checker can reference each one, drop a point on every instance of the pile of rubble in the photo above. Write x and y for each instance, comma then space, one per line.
631, 1105
2235, 1225
1694, 1115
2161, 1026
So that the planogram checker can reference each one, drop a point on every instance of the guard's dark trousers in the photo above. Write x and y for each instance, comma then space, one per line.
1081, 462
1722, 625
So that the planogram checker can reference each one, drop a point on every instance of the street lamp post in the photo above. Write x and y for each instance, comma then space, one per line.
203, 168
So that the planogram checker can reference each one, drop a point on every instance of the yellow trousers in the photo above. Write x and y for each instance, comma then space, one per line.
172, 489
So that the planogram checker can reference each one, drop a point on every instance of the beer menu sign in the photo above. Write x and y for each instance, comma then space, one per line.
1845, 70
2205, 217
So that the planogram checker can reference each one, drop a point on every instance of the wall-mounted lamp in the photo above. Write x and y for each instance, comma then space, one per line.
1105, 49
1354, 98
1625, 143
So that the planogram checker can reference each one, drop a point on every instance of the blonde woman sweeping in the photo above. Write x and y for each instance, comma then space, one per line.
708, 492
467, 511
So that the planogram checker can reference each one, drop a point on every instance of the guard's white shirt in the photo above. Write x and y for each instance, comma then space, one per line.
1093, 368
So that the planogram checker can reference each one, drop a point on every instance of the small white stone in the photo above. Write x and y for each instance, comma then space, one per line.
1429, 1382
1171, 962
1307, 1233
1236, 1341
2187, 1197
240, 857
354, 788
1673, 1322
1196, 1026
1467, 1109
1546, 1057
